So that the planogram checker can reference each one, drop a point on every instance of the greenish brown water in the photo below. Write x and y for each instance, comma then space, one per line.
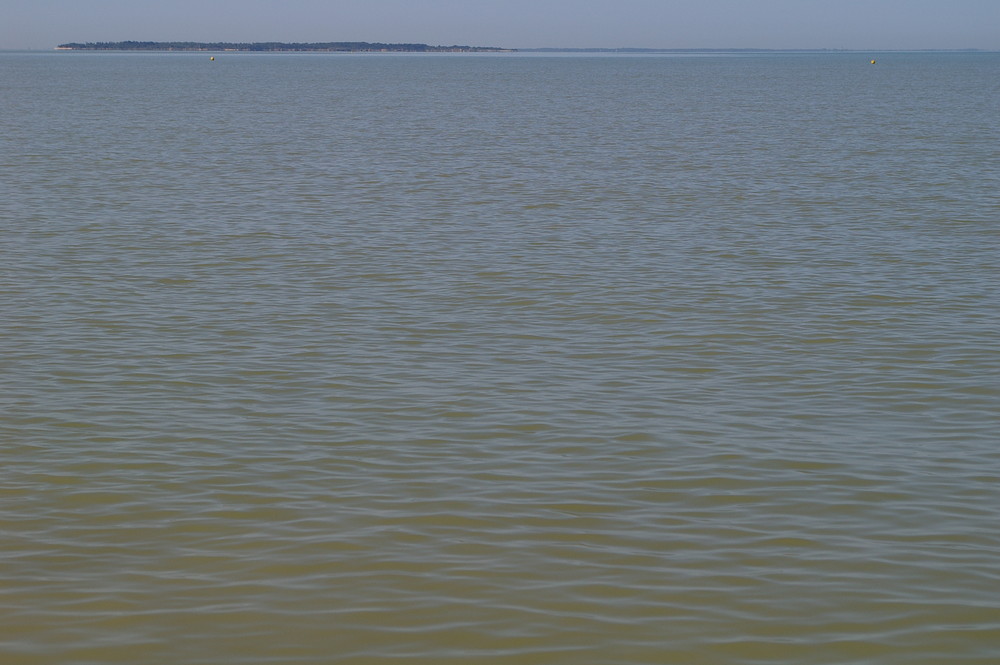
502, 359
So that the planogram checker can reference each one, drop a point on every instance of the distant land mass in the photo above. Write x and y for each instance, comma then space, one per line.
333, 47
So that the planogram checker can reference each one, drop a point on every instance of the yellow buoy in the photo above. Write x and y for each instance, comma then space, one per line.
213, 58
873, 62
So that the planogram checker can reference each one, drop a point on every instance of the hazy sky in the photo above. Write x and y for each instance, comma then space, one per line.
850, 24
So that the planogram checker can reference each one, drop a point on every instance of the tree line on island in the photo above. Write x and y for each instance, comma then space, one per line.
343, 47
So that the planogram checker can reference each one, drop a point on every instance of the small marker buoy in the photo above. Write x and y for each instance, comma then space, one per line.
872, 61
213, 58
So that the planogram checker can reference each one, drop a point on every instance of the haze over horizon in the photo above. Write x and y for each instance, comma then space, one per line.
668, 24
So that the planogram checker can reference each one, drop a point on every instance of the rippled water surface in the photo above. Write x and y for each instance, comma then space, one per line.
499, 359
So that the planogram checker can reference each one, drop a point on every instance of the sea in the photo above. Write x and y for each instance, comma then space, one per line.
554, 359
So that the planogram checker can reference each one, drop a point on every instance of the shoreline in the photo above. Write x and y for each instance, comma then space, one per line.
277, 47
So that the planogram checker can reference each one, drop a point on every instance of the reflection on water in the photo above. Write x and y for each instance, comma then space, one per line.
318, 359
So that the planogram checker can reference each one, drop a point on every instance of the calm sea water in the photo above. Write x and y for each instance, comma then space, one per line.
499, 359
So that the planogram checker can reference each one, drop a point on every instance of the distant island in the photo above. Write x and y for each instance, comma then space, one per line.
272, 47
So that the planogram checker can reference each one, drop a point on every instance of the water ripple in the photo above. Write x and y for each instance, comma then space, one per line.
620, 360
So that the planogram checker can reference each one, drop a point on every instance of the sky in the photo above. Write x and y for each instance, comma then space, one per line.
779, 24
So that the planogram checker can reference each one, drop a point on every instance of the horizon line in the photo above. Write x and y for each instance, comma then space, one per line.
538, 49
